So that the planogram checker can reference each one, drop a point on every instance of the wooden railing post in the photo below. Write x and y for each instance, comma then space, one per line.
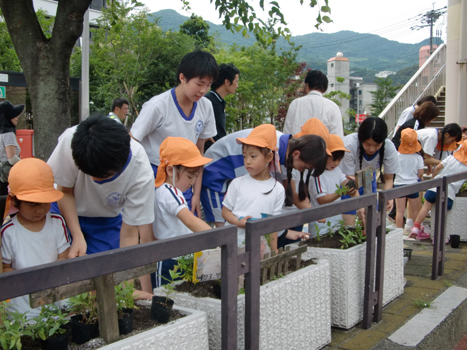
107, 308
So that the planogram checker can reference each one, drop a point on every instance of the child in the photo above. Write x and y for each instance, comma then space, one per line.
33, 236
432, 139
411, 172
181, 163
322, 188
456, 163
182, 111
256, 193
370, 147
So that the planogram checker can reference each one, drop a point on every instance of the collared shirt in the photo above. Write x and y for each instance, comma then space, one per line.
313, 105
113, 116
218, 105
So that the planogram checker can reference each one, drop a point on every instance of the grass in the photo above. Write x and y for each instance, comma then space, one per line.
421, 304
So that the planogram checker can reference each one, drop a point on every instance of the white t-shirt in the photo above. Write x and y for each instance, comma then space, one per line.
168, 201
351, 161
314, 105
132, 190
428, 138
162, 116
406, 115
8, 139
325, 184
22, 249
245, 197
452, 166
410, 165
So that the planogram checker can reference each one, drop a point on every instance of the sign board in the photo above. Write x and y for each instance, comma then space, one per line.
360, 117
4, 78
2, 92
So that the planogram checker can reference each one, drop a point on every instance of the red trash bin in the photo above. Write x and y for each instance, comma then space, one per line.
25, 138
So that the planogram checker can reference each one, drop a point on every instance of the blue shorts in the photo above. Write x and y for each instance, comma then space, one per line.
430, 196
162, 276
360, 191
411, 196
212, 204
101, 234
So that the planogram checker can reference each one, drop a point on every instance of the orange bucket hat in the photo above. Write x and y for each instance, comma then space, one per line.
336, 144
314, 126
178, 151
32, 180
461, 153
409, 142
262, 136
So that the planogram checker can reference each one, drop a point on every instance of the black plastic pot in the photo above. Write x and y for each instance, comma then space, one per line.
57, 342
455, 240
161, 308
83, 332
125, 324
217, 290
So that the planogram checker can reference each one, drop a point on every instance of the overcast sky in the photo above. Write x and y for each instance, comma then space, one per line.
390, 19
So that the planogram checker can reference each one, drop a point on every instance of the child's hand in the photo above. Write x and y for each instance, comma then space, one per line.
352, 192
241, 223
361, 214
389, 205
322, 221
294, 235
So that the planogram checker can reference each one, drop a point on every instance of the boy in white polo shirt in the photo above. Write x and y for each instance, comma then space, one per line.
182, 111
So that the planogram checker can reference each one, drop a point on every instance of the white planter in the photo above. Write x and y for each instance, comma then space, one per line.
294, 311
189, 332
348, 277
456, 220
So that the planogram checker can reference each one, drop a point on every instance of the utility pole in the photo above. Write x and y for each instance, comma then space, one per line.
428, 20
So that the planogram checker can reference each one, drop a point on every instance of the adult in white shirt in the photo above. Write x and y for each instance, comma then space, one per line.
407, 114
314, 105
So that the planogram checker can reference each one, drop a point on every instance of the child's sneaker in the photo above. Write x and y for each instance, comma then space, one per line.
422, 235
414, 232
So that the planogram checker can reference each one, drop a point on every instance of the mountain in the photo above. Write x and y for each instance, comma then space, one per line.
368, 53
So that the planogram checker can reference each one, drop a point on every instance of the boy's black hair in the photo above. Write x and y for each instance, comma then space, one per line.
376, 129
119, 102
427, 98
226, 71
316, 80
100, 147
198, 64
338, 155
312, 151
454, 130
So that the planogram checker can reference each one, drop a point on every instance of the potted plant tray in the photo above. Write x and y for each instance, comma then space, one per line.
294, 311
189, 332
348, 277
456, 220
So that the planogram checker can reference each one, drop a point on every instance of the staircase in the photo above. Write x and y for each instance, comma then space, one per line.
441, 99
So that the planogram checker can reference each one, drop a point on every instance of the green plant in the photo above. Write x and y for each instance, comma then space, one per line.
330, 229
448, 283
124, 296
463, 188
317, 230
359, 231
13, 325
340, 191
169, 288
421, 304
241, 291
49, 322
348, 235
85, 305
185, 265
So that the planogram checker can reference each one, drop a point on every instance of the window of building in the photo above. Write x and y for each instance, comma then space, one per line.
332, 85
332, 65
359, 92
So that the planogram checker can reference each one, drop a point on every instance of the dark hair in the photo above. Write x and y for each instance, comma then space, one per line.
265, 151
226, 71
454, 130
16, 202
338, 155
426, 112
425, 99
316, 80
198, 64
312, 150
376, 129
100, 147
119, 102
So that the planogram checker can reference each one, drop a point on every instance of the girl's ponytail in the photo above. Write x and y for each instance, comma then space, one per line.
381, 160
288, 190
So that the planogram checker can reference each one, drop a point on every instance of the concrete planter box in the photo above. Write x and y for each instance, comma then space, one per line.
348, 277
456, 220
189, 332
295, 311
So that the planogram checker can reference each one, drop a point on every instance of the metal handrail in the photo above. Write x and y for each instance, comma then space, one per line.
426, 81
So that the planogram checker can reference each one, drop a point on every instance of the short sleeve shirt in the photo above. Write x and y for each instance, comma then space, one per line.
8, 139
428, 139
325, 184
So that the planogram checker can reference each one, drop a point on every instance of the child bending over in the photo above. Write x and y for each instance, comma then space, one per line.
33, 236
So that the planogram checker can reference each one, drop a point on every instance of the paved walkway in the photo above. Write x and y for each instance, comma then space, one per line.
439, 327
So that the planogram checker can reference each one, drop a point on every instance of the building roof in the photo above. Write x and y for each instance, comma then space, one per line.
338, 59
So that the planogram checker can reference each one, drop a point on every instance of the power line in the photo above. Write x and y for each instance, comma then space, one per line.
428, 19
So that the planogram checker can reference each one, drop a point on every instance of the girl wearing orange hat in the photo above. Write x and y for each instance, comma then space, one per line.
180, 165
411, 162
33, 236
454, 164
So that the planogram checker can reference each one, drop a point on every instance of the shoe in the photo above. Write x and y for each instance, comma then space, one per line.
422, 235
391, 219
414, 232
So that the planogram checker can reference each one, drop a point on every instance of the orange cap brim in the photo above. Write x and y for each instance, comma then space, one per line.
41, 197
250, 142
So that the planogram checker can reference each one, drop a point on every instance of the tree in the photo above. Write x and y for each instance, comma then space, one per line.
198, 28
383, 95
46, 61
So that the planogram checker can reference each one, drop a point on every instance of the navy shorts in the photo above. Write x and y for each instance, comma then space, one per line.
430, 196
411, 196
162, 276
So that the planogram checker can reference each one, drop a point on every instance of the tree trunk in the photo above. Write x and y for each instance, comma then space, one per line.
45, 64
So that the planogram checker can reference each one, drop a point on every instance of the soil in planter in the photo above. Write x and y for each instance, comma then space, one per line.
328, 242
462, 194
141, 322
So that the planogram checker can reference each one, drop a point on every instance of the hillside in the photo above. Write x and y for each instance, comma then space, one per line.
368, 53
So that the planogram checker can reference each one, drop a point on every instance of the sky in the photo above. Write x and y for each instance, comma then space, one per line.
389, 19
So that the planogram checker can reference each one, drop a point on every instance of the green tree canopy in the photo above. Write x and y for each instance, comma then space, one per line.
383, 95
198, 29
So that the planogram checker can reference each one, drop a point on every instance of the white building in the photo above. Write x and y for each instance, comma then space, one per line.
385, 74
